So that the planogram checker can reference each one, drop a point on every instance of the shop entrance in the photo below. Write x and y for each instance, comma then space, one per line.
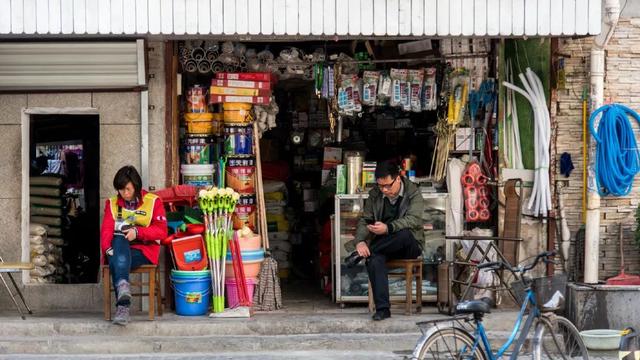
318, 104
64, 197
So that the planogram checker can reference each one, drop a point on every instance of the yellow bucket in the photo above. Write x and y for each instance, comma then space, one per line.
199, 123
237, 116
236, 106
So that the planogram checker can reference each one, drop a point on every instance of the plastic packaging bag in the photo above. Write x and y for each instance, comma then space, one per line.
429, 90
399, 90
370, 87
416, 79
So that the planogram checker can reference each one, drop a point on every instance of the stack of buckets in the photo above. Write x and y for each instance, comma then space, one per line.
240, 176
252, 257
192, 291
191, 282
198, 150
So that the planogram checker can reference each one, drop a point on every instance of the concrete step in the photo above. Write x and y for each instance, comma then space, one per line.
261, 324
265, 355
201, 344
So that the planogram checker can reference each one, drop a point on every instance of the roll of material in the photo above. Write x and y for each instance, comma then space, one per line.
45, 201
483, 203
471, 203
44, 191
483, 192
354, 173
473, 216
204, 67
211, 55
55, 221
467, 180
198, 53
484, 215
217, 67
481, 179
47, 211
45, 181
191, 66
470, 192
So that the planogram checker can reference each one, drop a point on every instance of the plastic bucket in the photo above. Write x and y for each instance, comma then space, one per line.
232, 291
251, 269
197, 175
250, 255
192, 292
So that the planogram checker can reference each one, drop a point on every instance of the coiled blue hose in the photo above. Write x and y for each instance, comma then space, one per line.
617, 153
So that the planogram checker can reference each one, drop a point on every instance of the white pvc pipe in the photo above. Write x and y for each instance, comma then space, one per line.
592, 224
540, 201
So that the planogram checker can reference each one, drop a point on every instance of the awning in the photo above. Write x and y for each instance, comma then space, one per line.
322, 18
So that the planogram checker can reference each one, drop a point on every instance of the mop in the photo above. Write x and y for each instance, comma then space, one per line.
218, 206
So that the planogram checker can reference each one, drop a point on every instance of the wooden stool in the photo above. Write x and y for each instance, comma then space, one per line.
412, 269
153, 283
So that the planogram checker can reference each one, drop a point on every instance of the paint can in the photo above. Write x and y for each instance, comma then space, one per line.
241, 178
197, 149
238, 139
244, 215
197, 175
196, 99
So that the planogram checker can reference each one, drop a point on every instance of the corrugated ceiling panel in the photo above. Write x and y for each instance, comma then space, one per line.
63, 65
301, 17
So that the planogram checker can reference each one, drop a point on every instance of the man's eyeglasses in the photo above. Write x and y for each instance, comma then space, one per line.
387, 186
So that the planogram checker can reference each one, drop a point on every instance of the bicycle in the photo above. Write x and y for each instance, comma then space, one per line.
554, 336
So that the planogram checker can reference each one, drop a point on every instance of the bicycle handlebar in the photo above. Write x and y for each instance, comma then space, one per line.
499, 265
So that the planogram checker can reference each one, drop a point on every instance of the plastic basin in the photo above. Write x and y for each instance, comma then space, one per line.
601, 339
251, 269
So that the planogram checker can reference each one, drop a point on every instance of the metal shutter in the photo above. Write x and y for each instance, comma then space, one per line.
71, 65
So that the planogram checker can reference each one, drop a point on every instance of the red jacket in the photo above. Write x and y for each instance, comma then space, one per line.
150, 235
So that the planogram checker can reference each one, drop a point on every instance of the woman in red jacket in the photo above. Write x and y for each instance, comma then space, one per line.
133, 224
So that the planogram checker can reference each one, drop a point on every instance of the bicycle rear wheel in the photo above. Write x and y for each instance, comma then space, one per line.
558, 338
450, 343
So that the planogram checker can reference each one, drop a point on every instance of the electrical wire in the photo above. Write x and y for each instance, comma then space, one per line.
617, 154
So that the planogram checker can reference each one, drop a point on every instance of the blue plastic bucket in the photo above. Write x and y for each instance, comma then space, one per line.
192, 292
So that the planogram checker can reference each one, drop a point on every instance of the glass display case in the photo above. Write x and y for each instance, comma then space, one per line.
352, 284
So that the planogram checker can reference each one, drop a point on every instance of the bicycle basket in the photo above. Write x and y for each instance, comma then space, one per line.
550, 292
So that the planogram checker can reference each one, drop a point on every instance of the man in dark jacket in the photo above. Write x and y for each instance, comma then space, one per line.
390, 228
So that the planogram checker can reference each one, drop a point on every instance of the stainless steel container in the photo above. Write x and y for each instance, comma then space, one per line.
354, 173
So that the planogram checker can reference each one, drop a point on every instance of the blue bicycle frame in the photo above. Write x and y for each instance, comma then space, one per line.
480, 334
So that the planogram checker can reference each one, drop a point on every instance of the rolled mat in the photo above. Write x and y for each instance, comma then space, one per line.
45, 201
47, 220
43, 210
45, 181
44, 191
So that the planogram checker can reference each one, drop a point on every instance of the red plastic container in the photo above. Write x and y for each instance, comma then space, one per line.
189, 253
232, 291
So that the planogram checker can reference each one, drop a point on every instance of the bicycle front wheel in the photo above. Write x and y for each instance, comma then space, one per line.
558, 338
450, 343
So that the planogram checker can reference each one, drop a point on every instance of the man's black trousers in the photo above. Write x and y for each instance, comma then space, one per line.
399, 245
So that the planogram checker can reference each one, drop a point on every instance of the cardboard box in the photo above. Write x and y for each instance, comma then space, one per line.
264, 85
263, 76
332, 157
216, 99
221, 90
465, 139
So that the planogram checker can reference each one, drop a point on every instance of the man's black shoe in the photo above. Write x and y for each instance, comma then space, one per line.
381, 314
353, 259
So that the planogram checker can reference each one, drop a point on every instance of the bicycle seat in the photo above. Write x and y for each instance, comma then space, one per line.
473, 307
